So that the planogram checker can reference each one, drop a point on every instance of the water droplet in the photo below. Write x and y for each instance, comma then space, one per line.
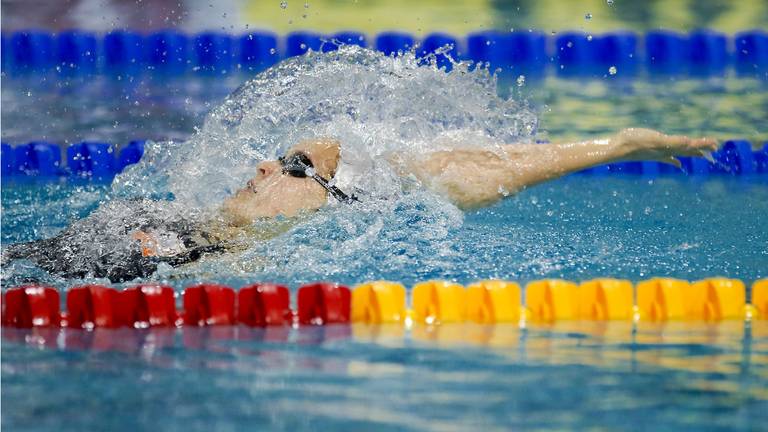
487, 42
521, 80
588, 16
303, 46
610, 2
283, 4
612, 70
589, 37
569, 44
272, 51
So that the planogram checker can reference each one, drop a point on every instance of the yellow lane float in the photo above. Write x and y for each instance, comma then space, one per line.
662, 299
493, 301
606, 299
760, 298
378, 302
551, 300
439, 302
716, 299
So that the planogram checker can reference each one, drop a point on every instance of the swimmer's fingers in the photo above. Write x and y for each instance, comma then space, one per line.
672, 161
681, 145
706, 145
148, 243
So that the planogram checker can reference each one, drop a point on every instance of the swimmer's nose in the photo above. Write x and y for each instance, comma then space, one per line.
267, 168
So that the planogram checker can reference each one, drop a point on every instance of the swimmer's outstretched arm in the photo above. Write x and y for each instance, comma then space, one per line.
478, 177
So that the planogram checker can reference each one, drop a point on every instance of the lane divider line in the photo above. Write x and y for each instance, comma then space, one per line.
433, 303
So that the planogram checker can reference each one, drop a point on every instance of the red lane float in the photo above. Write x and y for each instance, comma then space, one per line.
92, 306
148, 305
265, 304
324, 303
31, 306
209, 304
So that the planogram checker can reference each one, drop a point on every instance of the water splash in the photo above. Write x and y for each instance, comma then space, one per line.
374, 105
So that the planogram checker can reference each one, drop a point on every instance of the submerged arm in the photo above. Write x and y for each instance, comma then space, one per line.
477, 177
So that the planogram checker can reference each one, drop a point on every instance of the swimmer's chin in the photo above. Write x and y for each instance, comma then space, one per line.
237, 214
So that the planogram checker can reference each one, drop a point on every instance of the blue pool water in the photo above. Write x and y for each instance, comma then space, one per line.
576, 228
452, 377
455, 377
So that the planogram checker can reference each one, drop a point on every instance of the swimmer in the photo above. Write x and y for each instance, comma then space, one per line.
300, 182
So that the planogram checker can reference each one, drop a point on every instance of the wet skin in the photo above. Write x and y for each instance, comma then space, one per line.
468, 177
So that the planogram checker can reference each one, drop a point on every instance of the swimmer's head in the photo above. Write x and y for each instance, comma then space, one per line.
272, 191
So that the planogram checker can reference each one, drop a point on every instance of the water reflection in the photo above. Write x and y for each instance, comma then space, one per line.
570, 375
729, 347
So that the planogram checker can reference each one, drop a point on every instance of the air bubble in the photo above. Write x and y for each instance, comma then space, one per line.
521, 80
283, 4
612, 70
588, 16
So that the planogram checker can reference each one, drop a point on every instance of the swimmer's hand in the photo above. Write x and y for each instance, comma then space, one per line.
646, 144
160, 244
148, 243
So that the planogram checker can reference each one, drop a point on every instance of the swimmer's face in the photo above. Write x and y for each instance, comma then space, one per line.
271, 192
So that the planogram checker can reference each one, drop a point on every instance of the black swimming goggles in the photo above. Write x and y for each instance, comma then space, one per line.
300, 165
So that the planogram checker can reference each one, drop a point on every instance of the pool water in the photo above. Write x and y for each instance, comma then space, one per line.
453, 377
576, 228
106, 109
581, 375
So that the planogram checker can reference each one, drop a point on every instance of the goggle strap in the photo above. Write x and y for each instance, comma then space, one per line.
333, 190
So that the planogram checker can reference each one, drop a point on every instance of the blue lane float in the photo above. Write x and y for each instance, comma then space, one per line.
436, 41
91, 159
665, 52
213, 52
751, 53
345, 38
167, 52
123, 51
708, 53
257, 51
761, 159
735, 157
37, 158
392, 43
523, 52
101, 161
615, 54
130, 154
298, 43
7, 160
702, 53
572, 54
76, 52
88, 159
31, 50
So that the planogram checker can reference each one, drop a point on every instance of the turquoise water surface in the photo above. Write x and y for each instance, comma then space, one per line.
614, 376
